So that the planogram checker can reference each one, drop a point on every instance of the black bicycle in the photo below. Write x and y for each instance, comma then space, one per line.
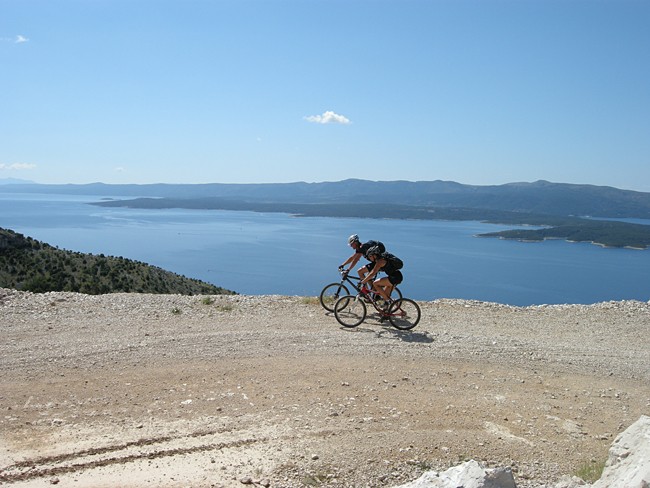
333, 291
351, 310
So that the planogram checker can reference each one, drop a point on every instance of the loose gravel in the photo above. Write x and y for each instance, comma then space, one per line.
220, 391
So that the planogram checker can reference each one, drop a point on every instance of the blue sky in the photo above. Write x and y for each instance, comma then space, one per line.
263, 91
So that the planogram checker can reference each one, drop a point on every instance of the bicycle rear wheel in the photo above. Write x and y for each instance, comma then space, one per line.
404, 314
397, 292
350, 311
331, 294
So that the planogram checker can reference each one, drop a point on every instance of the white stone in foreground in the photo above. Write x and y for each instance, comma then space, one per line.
467, 475
628, 465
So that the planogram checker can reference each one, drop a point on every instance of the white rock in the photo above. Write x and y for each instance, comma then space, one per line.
628, 465
468, 475
571, 482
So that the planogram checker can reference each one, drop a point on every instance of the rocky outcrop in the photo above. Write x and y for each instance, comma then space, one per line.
628, 466
468, 475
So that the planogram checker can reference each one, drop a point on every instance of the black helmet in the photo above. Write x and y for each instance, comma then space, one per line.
373, 251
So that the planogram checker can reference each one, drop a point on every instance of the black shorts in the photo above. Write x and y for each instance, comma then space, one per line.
395, 277
369, 266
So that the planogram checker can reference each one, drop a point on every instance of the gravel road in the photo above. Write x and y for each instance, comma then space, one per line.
128, 390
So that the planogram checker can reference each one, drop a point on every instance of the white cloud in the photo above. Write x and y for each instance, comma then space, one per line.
120, 169
328, 117
16, 166
16, 40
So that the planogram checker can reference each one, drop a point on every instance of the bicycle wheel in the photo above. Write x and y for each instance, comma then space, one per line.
331, 294
398, 293
404, 314
350, 311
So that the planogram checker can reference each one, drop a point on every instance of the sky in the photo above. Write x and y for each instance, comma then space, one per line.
481, 92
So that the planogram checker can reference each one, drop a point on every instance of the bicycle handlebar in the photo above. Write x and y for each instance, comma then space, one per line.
346, 274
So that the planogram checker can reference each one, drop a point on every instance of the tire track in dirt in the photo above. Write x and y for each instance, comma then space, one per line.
65, 463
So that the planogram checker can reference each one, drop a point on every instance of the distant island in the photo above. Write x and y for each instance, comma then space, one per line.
601, 232
30, 265
557, 210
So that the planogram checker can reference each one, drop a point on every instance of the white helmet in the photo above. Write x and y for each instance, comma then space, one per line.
353, 238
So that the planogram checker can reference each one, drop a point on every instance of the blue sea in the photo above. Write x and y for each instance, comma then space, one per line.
271, 253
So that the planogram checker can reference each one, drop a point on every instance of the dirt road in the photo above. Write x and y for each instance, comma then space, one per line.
169, 391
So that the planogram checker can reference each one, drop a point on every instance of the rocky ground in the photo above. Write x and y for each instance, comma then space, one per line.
130, 390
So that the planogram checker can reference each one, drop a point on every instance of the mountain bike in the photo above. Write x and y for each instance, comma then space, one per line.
351, 310
332, 292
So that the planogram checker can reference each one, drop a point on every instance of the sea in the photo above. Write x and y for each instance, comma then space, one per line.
280, 254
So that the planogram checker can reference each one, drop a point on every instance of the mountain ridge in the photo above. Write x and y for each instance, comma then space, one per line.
564, 210
541, 196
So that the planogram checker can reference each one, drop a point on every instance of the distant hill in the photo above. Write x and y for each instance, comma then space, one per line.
563, 209
15, 181
540, 197
31, 265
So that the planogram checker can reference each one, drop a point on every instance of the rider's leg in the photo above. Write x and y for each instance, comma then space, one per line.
364, 270
380, 286
394, 279
389, 289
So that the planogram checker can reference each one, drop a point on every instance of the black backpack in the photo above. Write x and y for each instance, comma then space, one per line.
370, 244
393, 261
379, 244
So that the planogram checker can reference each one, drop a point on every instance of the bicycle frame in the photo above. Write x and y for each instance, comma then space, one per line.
345, 277
347, 284
373, 297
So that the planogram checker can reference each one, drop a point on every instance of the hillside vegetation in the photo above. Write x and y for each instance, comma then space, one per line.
605, 233
30, 265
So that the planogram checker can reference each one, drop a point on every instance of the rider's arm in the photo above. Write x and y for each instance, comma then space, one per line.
352, 260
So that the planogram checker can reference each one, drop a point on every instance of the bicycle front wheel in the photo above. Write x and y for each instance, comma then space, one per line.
404, 314
331, 293
350, 311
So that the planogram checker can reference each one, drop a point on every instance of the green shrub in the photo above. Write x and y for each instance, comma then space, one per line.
590, 471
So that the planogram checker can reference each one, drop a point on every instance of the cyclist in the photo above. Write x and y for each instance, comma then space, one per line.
389, 264
360, 250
